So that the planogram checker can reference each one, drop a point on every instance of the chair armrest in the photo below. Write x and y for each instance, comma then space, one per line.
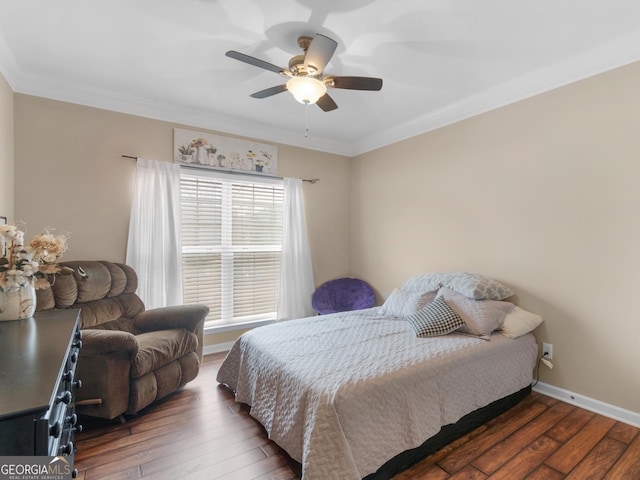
166, 318
96, 341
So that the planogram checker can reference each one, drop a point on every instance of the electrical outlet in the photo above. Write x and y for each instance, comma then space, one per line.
548, 349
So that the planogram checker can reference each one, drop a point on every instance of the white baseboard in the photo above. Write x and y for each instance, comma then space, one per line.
606, 409
217, 348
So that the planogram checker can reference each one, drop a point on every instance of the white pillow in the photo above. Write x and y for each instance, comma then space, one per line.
519, 322
470, 285
481, 317
402, 303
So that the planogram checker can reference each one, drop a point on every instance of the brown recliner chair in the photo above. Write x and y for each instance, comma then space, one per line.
130, 357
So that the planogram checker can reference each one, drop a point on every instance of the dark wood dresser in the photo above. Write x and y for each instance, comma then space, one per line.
38, 359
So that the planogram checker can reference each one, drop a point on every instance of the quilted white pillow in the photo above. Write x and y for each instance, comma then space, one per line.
519, 322
481, 317
402, 303
472, 285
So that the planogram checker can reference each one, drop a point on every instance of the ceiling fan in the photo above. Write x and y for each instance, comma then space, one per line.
306, 82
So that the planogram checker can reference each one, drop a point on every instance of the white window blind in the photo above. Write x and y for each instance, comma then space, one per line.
231, 244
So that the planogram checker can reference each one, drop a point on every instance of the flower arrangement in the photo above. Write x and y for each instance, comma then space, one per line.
198, 142
185, 150
37, 260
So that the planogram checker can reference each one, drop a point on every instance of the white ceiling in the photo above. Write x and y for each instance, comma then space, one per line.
441, 60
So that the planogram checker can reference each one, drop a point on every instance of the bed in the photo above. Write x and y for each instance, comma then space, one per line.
357, 395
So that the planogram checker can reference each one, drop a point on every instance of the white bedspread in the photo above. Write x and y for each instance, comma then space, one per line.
344, 393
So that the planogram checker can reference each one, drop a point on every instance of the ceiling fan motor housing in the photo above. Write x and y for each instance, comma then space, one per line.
298, 68
296, 64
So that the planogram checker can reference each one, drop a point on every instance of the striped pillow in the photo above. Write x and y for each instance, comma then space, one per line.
437, 318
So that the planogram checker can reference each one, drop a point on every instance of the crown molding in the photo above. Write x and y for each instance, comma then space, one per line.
8, 65
617, 53
614, 54
197, 118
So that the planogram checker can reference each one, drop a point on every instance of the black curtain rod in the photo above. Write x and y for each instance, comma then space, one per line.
310, 180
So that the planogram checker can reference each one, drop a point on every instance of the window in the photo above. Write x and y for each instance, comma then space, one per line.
231, 244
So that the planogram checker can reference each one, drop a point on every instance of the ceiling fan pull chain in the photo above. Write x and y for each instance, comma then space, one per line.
306, 120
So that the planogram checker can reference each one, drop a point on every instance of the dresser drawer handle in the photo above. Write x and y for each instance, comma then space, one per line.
65, 398
72, 420
67, 449
55, 430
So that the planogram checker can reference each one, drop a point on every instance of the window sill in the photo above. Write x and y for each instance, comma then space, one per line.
231, 327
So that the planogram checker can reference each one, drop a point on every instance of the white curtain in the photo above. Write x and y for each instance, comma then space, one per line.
154, 246
296, 271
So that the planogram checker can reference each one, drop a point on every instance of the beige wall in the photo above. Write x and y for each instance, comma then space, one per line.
543, 195
69, 175
6, 149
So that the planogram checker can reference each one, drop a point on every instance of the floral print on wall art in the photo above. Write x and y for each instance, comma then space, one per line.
224, 153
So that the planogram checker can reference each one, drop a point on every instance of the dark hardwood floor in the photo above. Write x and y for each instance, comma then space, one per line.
201, 433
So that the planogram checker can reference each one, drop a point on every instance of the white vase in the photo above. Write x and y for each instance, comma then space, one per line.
17, 298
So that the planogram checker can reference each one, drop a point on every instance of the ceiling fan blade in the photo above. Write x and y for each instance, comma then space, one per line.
256, 62
320, 52
354, 83
267, 92
326, 103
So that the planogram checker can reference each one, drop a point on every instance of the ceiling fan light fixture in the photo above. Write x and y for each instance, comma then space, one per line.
306, 89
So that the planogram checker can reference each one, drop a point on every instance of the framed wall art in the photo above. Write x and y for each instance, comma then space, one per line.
224, 153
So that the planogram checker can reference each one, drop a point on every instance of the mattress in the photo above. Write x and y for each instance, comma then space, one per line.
344, 393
